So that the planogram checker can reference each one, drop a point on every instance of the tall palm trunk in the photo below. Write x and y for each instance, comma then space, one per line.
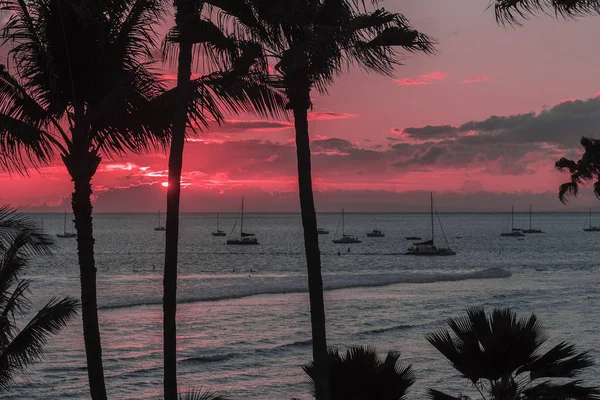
82, 165
311, 244
184, 9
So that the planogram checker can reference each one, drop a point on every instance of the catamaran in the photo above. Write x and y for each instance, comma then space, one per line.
244, 239
591, 228
428, 247
322, 231
158, 226
532, 230
514, 232
346, 239
218, 232
65, 234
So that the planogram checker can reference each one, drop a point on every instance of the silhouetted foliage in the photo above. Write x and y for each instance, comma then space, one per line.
20, 241
510, 11
359, 374
197, 394
587, 169
502, 357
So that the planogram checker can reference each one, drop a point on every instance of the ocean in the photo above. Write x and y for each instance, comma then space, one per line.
243, 315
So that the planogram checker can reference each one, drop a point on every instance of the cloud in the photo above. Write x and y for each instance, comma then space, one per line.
423, 79
477, 79
429, 132
321, 116
235, 126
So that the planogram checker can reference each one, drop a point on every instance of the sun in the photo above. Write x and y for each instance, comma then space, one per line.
165, 184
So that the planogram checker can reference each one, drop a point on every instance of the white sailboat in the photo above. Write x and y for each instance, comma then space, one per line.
245, 238
346, 239
65, 234
532, 230
514, 232
218, 232
428, 248
158, 226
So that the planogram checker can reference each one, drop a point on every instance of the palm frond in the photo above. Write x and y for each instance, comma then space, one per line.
512, 11
198, 394
567, 190
572, 390
28, 345
561, 361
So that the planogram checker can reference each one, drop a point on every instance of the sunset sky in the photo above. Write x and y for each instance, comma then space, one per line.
481, 122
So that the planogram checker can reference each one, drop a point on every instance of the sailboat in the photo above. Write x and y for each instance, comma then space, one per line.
244, 238
158, 226
428, 247
346, 239
218, 232
375, 233
65, 234
531, 230
513, 231
591, 228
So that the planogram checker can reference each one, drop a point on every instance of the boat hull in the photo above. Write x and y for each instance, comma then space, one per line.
591, 229
413, 238
437, 254
346, 241
512, 234
219, 234
160, 229
238, 242
533, 231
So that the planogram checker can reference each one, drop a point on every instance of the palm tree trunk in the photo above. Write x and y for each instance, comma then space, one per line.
82, 166
311, 247
185, 8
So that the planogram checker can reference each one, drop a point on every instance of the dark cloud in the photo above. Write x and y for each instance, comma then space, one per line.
235, 126
332, 144
431, 132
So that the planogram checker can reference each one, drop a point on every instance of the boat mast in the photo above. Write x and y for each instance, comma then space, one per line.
512, 218
218, 222
431, 195
590, 217
242, 223
530, 217
343, 229
65, 224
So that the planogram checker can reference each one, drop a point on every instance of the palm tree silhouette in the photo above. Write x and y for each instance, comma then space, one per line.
20, 241
234, 80
315, 41
511, 11
361, 375
585, 170
81, 87
502, 357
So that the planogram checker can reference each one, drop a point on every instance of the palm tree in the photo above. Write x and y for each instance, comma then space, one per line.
80, 88
502, 357
19, 243
361, 375
510, 11
315, 40
585, 170
235, 83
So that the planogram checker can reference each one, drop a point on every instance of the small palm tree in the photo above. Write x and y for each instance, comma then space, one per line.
197, 394
234, 80
315, 41
585, 170
361, 375
19, 348
501, 355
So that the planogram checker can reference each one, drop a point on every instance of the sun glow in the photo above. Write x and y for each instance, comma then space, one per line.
165, 184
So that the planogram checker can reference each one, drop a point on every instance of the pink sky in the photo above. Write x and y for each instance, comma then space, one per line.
378, 142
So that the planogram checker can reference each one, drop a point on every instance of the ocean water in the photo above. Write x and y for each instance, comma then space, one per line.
243, 318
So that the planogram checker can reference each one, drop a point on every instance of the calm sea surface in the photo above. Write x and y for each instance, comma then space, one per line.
243, 319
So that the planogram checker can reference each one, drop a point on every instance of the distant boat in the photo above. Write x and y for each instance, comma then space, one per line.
158, 226
513, 231
346, 239
413, 238
591, 228
531, 230
375, 233
322, 231
428, 247
219, 232
65, 234
243, 239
